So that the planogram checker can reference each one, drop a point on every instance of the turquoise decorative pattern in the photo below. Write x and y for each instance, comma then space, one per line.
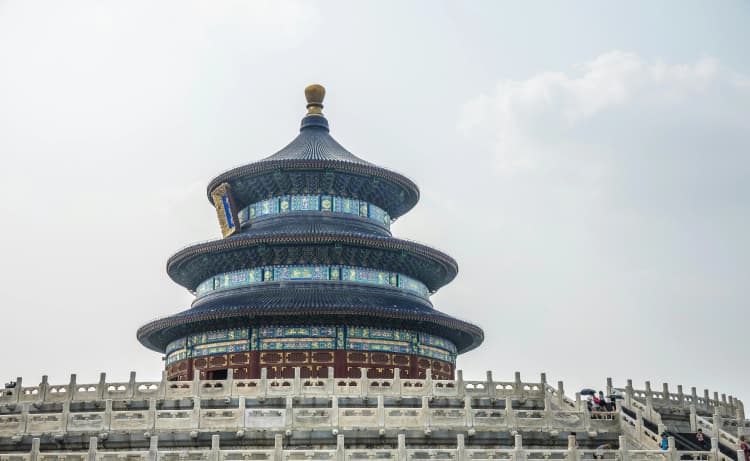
312, 273
311, 337
326, 203
175, 345
435, 341
296, 332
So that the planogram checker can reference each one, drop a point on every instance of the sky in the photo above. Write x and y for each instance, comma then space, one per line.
585, 163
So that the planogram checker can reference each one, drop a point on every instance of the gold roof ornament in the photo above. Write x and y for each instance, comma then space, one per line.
315, 94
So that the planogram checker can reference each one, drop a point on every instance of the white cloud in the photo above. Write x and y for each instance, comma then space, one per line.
618, 211
529, 118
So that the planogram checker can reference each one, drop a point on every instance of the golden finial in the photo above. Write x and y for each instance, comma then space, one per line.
315, 94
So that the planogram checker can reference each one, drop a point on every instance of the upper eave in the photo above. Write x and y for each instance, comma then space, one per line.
194, 264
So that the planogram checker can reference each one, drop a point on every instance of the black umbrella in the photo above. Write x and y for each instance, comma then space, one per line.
615, 397
587, 391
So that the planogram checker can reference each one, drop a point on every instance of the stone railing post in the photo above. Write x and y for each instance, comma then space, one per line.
491, 390
297, 384
706, 400
693, 418
402, 455
108, 414
649, 396
44, 388
665, 392
101, 388
35, 448
560, 395
639, 423
469, 414
580, 404
397, 382
289, 413
715, 448
672, 449
242, 407
572, 454
152, 413
740, 456
93, 442
426, 414
543, 380
740, 422
694, 395
548, 420
717, 403
132, 385
610, 388
717, 422
153, 448
65, 415
196, 420
680, 395
229, 383
24, 418
428, 384
17, 390
72, 387
586, 417
263, 384
340, 448
460, 389
163, 384
335, 412
196, 384
331, 381
510, 417
278, 447
214, 453
629, 394
518, 452
624, 455
381, 412
460, 448
518, 385
364, 383
741, 409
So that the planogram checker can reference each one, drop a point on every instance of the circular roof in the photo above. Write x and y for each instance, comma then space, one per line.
315, 163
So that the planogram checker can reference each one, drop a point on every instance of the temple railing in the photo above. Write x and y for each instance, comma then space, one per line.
726, 406
297, 386
340, 452
195, 414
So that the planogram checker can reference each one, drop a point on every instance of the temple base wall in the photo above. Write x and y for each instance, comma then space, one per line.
312, 364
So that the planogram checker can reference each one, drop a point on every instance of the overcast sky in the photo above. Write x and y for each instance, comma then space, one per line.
586, 164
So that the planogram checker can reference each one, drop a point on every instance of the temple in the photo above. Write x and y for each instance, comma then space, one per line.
312, 337
308, 274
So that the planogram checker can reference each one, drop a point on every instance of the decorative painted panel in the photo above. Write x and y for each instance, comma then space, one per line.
305, 203
283, 344
327, 203
312, 273
311, 337
376, 345
301, 273
220, 348
413, 285
436, 341
176, 356
217, 336
175, 345
345, 205
296, 332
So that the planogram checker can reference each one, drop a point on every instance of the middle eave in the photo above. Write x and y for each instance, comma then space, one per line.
194, 264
